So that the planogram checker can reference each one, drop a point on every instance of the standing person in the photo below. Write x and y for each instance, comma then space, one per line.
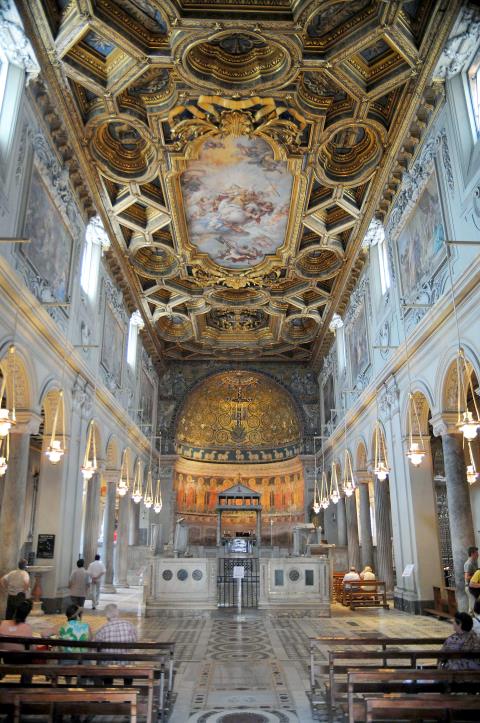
470, 567
96, 570
17, 584
78, 584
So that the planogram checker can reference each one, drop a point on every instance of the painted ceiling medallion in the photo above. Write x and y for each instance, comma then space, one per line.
236, 198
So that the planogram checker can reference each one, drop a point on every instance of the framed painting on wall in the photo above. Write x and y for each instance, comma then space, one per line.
420, 245
112, 344
357, 340
49, 252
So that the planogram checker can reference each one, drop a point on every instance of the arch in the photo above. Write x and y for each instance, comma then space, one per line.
112, 453
419, 414
17, 364
361, 456
372, 444
446, 377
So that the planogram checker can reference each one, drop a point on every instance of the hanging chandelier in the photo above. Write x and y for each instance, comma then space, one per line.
90, 466
137, 492
56, 448
316, 495
467, 423
324, 498
348, 482
4, 454
158, 503
334, 491
416, 450
380, 467
124, 481
7, 417
148, 497
472, 474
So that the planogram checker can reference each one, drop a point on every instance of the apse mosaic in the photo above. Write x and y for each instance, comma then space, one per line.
237, 199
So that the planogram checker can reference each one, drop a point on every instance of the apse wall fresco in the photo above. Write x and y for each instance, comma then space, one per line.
237, 199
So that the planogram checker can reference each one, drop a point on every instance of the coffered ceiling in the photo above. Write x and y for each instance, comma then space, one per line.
237, 151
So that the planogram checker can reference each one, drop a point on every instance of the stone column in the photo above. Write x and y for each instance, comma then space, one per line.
111, 479
342, 522
92, 519
352, 531
365, 520
122, 541
134, 535
458, 499
384, 534
15, 485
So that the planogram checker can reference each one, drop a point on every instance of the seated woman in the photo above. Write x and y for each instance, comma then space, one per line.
74, 629
368, 574
462, 639
17, 627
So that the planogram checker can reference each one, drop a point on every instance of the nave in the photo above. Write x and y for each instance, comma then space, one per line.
256, 670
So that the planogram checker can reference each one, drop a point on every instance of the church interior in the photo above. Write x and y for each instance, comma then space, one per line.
240, 351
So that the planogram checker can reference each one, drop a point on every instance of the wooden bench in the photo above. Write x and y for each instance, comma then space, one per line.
52, 674
159, 654
338, 586
340, 662
444, 603
378, 642
364, 593
418, 707
388, 681
73, 700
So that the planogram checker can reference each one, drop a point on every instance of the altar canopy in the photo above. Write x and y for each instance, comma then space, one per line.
238, 499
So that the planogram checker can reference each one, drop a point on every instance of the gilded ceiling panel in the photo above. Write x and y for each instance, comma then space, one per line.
238, 150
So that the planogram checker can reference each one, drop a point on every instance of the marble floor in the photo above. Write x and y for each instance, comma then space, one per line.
253, 669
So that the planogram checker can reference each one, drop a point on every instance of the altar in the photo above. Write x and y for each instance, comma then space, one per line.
207, 583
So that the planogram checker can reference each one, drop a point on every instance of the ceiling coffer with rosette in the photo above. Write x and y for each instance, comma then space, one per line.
238, 151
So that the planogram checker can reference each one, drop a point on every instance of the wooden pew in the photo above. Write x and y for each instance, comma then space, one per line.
355, 595
444, 605
73, 700
340, 662
394, 707
378, 642
388, 681
52, 674
338, 586
159, 654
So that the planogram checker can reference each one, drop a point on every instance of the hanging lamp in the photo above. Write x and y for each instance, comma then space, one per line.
137, 492
8, 418
90, 466
334, 491
416, 450
348, 482
381, 467
56, 448
157, 503
324, 498
148, 496
4, 454
316, 496
472, 474
467, 423
124, 481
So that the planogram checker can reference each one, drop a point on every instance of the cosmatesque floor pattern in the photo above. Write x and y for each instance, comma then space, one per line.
252, 669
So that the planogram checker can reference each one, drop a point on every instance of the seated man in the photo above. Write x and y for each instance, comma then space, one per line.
352, 574
116, 630
368, 574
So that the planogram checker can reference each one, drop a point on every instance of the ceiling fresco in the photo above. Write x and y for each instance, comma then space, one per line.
237, 152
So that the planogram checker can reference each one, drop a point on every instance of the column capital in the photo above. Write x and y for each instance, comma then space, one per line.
444, 423
28, 422
111, 476
363, 476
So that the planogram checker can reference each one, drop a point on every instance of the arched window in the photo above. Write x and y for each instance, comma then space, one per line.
96, 240
473, 75
136, 323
